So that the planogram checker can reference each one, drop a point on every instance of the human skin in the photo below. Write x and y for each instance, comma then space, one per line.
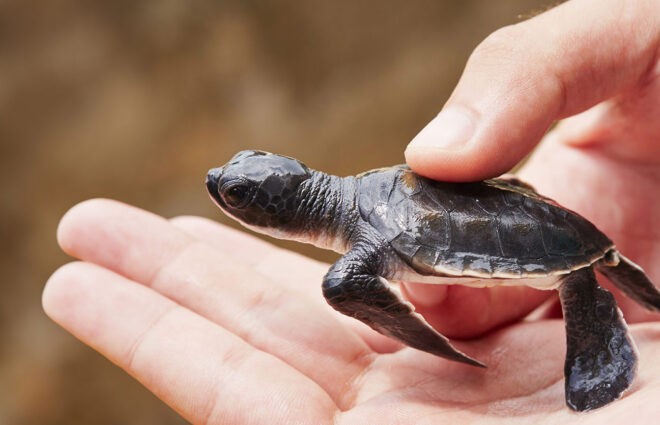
215, 323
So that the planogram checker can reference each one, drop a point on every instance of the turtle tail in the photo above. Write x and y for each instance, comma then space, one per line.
630, 279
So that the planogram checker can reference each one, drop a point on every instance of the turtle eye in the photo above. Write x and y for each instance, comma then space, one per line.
236, 195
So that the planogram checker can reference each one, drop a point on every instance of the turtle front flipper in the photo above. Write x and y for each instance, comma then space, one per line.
600, 356
352, 287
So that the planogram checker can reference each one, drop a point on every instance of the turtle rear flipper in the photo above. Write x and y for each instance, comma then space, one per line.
600, 356
631, 280
352, 288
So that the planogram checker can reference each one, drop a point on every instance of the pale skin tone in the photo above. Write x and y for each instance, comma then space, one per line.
215, 323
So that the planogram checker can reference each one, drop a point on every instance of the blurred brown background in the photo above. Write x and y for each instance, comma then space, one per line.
137, 100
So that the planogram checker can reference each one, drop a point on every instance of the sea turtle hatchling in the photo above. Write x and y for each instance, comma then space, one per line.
391, 223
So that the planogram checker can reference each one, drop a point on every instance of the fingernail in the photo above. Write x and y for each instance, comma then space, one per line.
451, 129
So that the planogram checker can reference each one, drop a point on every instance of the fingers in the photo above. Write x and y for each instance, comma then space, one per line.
256, 253
268, 259
524, 77
272, 317
462, 312
202, 371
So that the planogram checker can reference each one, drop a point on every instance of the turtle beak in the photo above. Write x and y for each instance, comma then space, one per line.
212, 179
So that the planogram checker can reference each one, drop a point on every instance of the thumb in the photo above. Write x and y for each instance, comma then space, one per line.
523, 77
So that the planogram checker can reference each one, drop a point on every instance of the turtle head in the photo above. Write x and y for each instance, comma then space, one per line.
258, 189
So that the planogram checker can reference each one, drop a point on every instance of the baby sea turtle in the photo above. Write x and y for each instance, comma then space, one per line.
391, 223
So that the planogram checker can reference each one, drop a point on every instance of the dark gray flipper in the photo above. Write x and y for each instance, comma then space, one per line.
600, 356
632, 281
352, 287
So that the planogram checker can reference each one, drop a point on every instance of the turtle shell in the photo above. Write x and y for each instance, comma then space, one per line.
497, 228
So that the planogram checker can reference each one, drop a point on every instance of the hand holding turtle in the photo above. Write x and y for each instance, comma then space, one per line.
228, 329
595, 62
222, 338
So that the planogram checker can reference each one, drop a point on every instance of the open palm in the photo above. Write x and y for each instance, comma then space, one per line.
228, 329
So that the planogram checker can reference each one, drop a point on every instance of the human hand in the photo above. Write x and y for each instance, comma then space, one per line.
595, 62
228, 329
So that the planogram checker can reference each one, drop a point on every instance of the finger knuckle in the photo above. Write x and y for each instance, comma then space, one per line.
503, 44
